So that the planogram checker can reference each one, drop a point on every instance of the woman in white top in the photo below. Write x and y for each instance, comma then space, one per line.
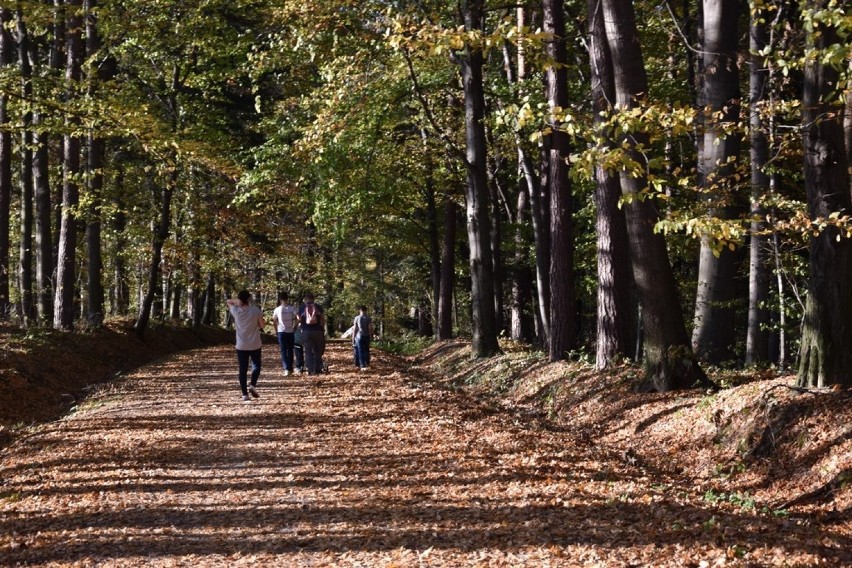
249, 321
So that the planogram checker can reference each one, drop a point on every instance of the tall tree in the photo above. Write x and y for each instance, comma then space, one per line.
563, 316
757, 333
530, 183
825, 357
99, 70
448, 271
43, 216
6, 55
25, 264
713, 334
484, 321
613, 270
63, 317
669, 362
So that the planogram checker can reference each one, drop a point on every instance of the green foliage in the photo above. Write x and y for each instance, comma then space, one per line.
406, 343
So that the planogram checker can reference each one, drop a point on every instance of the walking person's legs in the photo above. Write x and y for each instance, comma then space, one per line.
299, 352
255, 371
310, 347
283, 347
288, 348
242, 371
365, 353
362, 352
320, 351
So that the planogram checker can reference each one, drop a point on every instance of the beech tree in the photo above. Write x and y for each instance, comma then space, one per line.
563, 317
669, 362
757, 334
613, 256
825, 357
476, 190
63, 317
713, 333
6, 54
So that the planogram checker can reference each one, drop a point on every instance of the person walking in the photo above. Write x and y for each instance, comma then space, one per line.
312, 324
284, 320
248, 320
362, 333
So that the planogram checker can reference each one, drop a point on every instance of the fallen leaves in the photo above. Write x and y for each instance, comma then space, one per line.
376, 469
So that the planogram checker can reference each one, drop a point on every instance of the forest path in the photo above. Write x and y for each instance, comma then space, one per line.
168, 467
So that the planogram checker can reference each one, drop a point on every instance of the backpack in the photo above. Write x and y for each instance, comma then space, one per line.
312, 314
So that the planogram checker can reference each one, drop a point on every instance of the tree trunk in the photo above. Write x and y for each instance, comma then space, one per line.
448, 271
63, 317
669, 362
825, 357
57, 62
614, 321
528, 169
563, 310
522, 328
161, 233
25, 264
195, 293
757, 332
6, 52
713, 334
95, 166
496, 240
119, 290
483, 319
209, 317
434, 237
43, 225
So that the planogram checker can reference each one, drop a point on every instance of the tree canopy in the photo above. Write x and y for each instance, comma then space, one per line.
328, 145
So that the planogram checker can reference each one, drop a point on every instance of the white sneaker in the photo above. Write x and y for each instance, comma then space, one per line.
365, 368
246, 398
253, 392
286, 373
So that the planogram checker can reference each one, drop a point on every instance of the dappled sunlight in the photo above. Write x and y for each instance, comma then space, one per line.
348, 469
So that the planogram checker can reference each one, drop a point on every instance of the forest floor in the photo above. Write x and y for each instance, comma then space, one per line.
436, 461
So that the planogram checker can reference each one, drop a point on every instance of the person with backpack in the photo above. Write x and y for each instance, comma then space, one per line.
312, 324
284, 320
362, 332
248, 320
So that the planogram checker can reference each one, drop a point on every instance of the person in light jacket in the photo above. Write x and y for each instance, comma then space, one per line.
248, 320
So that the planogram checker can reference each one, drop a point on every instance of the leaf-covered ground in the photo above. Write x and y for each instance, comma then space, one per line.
386, 468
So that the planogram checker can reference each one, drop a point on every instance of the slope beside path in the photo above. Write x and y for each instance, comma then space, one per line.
169, 467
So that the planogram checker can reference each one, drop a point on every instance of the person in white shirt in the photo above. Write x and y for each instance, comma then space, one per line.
362, 333
248, 320
284, 320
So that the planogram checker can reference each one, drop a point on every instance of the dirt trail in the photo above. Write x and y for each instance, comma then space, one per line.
169, 467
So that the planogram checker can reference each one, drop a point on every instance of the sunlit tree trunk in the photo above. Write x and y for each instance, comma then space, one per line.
563, 310
713, 333
614, 319
6, 54
63, 317
102, 71
757, 333
669, 362
483, 317
25, 263
825, 357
